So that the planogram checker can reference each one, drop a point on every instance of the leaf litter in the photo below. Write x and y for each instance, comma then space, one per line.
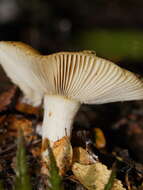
105, 141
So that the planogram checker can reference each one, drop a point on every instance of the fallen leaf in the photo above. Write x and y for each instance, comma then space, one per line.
63, 153
26, 108
2, 119
81, 156
100, 141
7, 97
36, 151
15, 123
95, 176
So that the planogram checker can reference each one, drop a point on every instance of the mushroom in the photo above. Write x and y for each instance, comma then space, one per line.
66, 80
70, 79
16, 58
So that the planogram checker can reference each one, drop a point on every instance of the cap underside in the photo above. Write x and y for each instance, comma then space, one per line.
86, 78
81, 76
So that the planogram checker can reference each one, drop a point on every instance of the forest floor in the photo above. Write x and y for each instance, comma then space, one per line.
111, 132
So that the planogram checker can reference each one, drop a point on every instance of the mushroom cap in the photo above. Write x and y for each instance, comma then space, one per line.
80, 76
16, 59
17, 48
86, 78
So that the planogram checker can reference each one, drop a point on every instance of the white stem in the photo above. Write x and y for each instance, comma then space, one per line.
59, 114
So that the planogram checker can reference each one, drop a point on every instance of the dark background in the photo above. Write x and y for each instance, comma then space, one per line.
113, 28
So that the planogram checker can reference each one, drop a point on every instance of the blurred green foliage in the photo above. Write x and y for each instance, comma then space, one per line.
55, 179
22, 181
113, 44
109, 185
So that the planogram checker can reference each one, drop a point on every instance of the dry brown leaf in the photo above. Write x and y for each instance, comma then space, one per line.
36, 151
6, 98
15, 123
3, 130
2, 119
95, 176
81, 156
26, 108
63, 153
100, 141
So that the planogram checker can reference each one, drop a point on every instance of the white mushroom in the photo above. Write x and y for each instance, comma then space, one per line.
70, 79
16, 58
66, 80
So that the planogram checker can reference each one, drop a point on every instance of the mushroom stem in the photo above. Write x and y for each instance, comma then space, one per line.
58, 117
